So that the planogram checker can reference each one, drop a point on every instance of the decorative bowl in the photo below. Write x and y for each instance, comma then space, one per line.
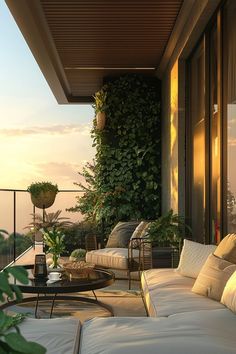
78, 269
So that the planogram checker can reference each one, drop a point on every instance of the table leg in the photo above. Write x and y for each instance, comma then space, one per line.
36, 306
53, 301
94, 295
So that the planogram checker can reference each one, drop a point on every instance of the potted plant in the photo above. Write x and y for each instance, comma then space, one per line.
166, 234
54, 239
43, 194
100, 106
78, 255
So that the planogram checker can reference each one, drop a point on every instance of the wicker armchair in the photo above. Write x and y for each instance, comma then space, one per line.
136, 258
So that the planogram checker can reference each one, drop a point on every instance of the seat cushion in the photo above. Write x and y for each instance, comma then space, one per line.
58, 336
121, 234
205, 332
116, 258
166, 292
213, 277
193, 257
227, 248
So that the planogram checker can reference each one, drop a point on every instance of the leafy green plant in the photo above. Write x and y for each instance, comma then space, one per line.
3, 232
125, 182
79, 253
12, 342
37, 187
48, 221
75, 235
54, 239
100, 100
168, 229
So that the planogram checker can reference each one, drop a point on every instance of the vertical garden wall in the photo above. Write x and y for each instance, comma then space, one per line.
125, 182
128, 158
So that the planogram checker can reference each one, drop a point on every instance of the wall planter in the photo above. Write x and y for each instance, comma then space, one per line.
43, 200
43, 194
101, 120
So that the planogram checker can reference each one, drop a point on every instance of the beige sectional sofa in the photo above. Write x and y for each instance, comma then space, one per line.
181, 322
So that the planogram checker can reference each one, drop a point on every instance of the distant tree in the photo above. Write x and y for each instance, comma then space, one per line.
22, 243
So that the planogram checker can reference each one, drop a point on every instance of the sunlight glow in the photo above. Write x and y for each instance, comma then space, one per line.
173, 136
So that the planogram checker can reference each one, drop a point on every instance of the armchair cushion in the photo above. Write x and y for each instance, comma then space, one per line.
121, 234
116, 258
139, 232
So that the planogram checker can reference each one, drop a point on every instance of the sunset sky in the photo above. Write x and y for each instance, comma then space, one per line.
39, 139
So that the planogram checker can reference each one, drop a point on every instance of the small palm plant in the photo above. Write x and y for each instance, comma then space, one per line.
168, 229
54, 239
48, 221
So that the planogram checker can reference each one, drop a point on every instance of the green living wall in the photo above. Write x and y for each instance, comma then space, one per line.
125, 182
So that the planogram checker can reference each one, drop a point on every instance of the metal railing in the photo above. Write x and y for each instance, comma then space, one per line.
15, 214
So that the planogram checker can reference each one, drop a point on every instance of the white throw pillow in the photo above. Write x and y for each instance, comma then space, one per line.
193, 257
229, 294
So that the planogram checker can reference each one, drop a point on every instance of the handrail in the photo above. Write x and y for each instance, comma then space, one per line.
21, 255
15, 191
25, 190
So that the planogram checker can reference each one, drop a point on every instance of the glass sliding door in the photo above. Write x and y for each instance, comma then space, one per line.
215, 150
229, 65
196, 158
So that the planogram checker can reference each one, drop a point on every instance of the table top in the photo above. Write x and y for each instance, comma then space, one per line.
95, 279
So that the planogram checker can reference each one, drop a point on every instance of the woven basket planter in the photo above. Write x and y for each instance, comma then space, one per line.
101, 120
44, 199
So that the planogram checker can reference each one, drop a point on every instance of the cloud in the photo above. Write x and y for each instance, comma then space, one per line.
83, 129
62, 173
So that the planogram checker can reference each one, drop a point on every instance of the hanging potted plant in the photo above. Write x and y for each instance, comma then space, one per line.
100, 107
43, 194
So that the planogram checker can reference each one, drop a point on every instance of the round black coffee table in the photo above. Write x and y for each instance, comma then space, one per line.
95, 279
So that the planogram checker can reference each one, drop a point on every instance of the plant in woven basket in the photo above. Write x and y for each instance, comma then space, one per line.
100, 107
168, 229
11, 340
43, 194
54, 239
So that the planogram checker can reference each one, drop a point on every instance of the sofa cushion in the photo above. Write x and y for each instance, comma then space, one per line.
213, 277
58, 336
227, 248
166, 292
193, 257
116, 258
205, 332
229, 294
121, 234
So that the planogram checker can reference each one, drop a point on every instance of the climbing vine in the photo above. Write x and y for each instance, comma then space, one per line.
125, 181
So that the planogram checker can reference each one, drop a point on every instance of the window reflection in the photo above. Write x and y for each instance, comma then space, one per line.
230, 90
197, 113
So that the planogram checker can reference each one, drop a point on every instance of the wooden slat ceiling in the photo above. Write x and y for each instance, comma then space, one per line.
96, 38
78, 43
